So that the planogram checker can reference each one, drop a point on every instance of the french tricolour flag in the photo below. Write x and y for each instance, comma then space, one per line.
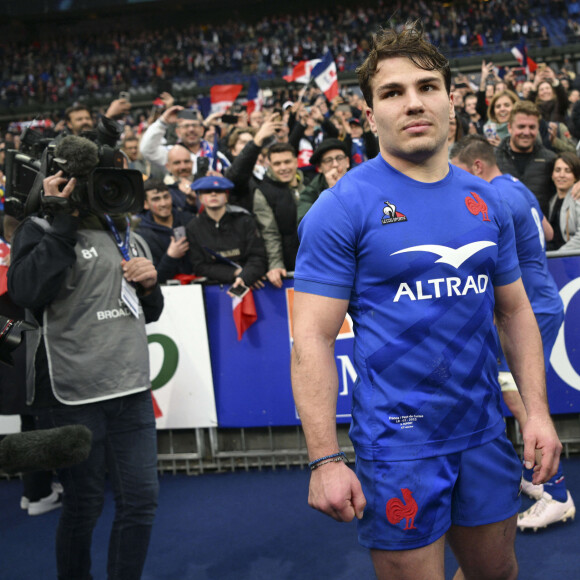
255, 100
223, 96
301, 72
244, 312
520, 53
324, 74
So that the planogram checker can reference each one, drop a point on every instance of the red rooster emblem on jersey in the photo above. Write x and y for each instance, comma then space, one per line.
477, 205
398, 510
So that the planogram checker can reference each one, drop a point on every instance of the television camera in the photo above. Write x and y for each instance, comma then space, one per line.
103, 185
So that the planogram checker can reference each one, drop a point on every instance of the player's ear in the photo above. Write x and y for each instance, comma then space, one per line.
451, 107
371, 119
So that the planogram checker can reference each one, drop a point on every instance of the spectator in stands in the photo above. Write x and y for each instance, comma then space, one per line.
180, 167
564, 210
189, 130
498, 114
130, 146
78, 118
163, 228
360, 141
475, 120
275, 200
225, 244
549, 95
332, 162
521, 155
308, 127
245, 164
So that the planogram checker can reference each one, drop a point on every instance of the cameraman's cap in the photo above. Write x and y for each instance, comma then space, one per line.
324, 147
211, 183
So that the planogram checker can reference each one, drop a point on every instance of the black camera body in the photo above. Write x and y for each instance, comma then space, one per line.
103, 185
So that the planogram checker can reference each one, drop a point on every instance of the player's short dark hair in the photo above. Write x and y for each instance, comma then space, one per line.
281, 148
410, 43
473, 147
154, 183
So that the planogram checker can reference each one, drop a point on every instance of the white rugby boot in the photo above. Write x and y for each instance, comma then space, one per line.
547, 511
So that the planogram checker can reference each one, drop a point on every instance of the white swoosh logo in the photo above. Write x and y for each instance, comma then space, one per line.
448, 255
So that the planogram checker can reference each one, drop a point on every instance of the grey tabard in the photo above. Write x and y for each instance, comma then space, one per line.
96, 348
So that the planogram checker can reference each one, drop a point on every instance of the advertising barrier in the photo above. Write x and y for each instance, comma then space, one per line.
252, 377
203, 376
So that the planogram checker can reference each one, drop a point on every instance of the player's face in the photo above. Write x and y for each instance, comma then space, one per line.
523, 132
411, 111
562, 176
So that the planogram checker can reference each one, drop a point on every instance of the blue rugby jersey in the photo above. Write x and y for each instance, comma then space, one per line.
417, 262
530, 245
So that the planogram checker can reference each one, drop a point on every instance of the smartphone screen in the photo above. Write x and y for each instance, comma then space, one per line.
238, 291
178, 233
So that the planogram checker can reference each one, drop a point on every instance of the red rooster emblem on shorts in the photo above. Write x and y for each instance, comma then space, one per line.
398, 510
477, 205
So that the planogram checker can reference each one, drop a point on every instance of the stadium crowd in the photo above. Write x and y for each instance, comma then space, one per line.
225, 192
63, 63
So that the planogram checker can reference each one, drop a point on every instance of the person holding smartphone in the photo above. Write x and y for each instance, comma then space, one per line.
162, 226
225, 244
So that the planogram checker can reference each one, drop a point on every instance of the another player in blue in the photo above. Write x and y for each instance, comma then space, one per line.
474, 154
421, 282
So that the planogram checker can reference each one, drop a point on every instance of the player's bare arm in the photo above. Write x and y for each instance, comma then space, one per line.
522, 346
334, 488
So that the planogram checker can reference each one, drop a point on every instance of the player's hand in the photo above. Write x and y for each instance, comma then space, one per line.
336, 491
542, 447
177, 249
275, 276
140, 270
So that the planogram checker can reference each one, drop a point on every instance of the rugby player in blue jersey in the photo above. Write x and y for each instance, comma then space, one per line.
421, 255
475, 154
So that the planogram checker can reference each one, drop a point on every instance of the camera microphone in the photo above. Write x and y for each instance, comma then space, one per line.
45, 449
77, 156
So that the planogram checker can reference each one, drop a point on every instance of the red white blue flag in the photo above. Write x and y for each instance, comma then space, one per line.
325, 77
223, 96
520, 53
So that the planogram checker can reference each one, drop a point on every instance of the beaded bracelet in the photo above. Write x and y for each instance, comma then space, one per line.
333, 460
340, 456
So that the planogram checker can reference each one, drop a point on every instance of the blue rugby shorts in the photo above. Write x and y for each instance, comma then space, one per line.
410, 504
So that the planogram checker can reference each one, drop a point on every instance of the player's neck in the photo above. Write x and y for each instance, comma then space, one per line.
425, 170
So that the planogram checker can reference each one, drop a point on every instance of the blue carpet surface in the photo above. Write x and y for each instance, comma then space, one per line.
252, 526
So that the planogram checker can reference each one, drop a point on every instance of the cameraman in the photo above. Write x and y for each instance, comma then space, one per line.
91, 367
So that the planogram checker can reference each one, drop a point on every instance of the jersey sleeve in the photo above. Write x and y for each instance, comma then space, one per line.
326, 259
508, 269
